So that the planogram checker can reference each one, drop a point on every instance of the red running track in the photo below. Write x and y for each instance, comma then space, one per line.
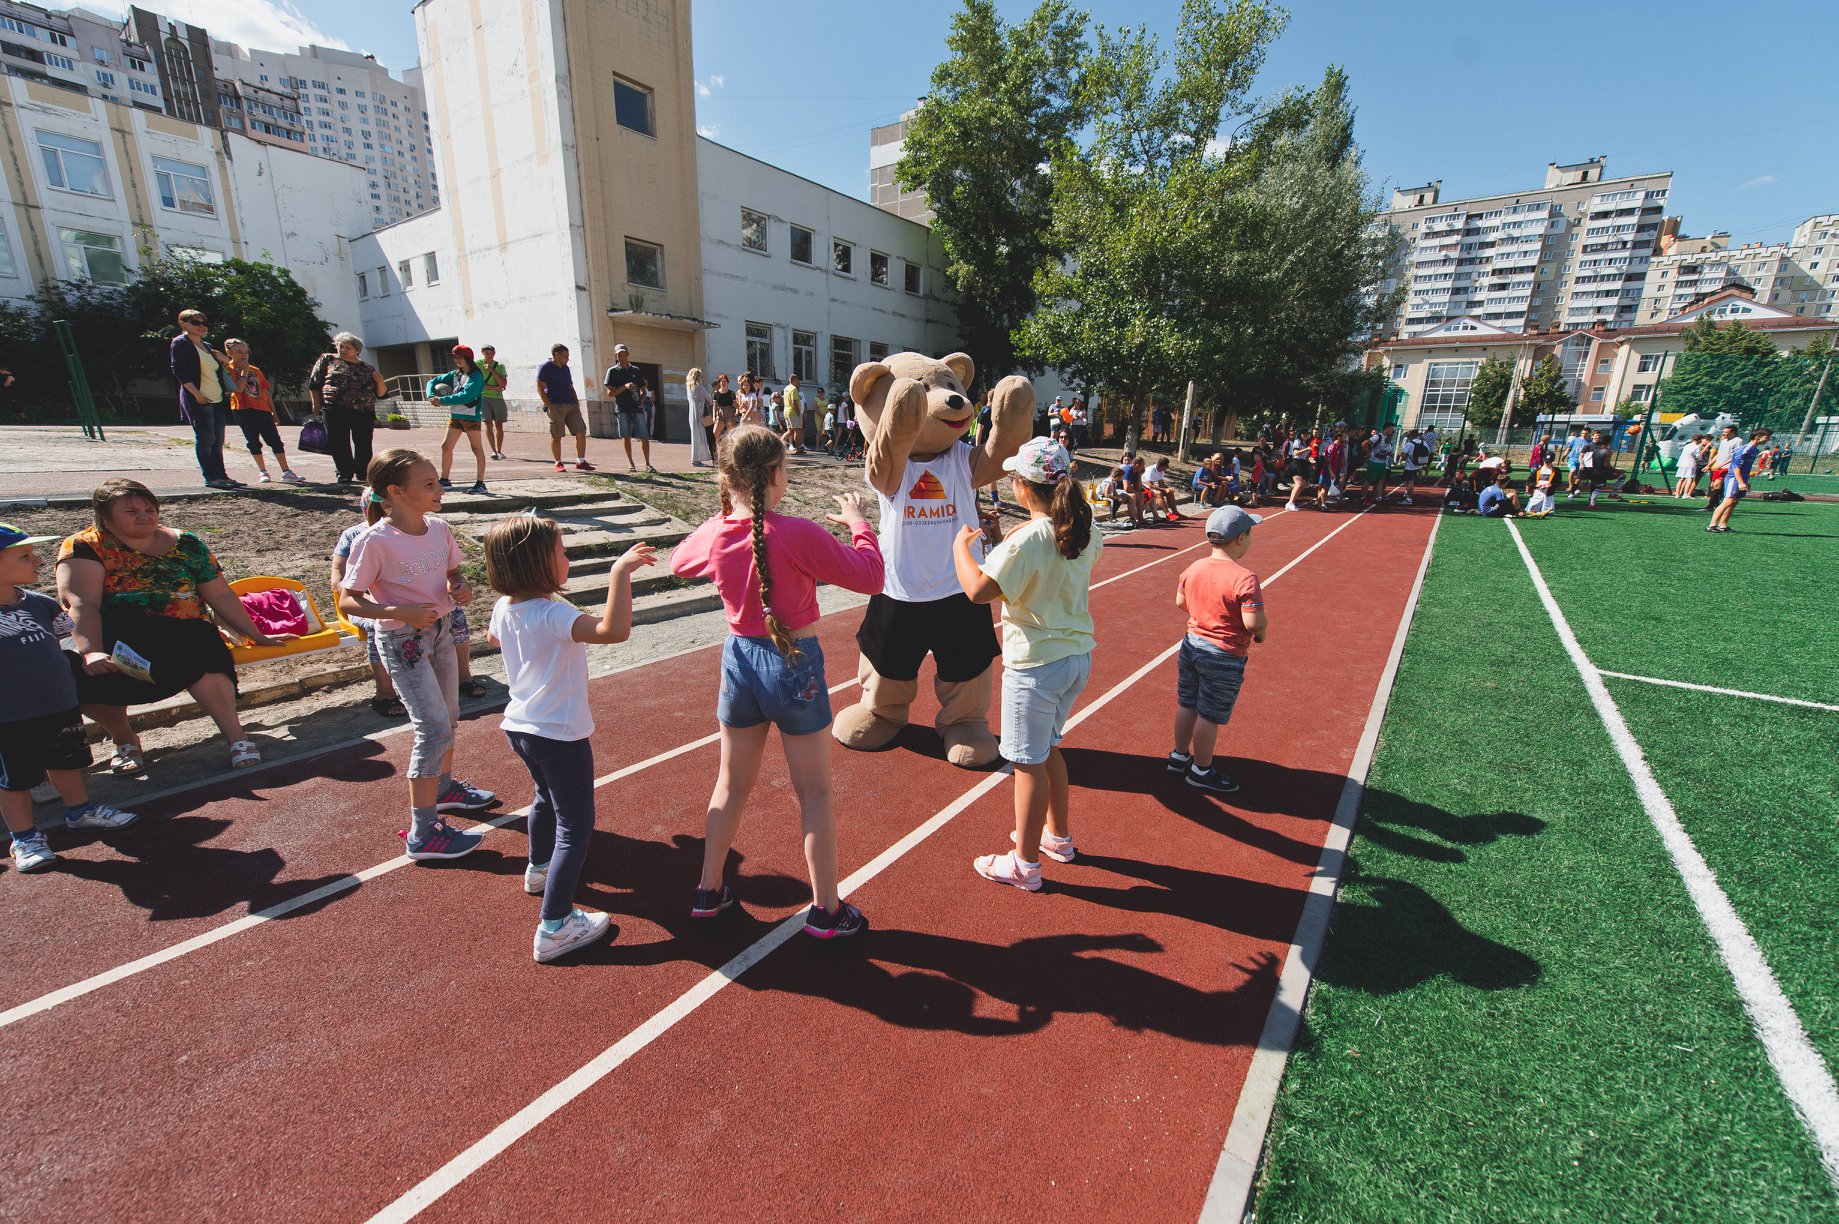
980, 1052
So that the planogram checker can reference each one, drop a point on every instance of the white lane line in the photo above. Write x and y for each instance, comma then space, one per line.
505, 1134
1229, 1194
333, 888
1726, 692
1804, 1075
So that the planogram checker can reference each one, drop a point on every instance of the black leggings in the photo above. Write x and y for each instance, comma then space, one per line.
259, 427
348, 434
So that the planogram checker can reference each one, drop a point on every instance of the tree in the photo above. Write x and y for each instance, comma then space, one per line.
1542, 393
1488, 393
999, 107
1724, 369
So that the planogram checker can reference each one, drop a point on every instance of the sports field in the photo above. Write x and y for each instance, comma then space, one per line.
1521, 1011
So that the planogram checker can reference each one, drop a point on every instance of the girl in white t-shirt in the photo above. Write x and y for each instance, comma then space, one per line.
1043, 573
544, 640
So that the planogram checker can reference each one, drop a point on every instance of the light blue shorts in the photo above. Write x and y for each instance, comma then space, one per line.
1036, 704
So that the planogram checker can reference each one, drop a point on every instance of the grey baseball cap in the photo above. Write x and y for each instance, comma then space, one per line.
1228, 523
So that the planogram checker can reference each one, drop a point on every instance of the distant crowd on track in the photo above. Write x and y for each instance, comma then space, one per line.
133, 594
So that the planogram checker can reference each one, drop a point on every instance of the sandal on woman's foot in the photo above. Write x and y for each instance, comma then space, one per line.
388, 707
128, 759
472, 687
243, 754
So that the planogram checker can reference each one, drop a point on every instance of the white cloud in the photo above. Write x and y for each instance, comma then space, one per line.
1215, 147
708, 130
718, 81
272, 25
1761, 180
702, 91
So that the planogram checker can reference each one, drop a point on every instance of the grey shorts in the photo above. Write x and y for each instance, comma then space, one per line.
628, 425
566, 419
1207, 679
492, 408
1036, 703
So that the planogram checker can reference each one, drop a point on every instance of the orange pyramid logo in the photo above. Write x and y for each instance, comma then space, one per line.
927, 488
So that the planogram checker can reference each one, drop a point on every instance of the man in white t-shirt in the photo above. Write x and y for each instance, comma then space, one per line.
1416, 455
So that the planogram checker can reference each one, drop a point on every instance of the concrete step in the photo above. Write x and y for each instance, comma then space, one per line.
514, 497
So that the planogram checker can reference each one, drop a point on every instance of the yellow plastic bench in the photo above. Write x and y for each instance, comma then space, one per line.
319, 636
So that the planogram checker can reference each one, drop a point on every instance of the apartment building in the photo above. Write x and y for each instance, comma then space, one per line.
885, 146
1574, 253
1800, 275
347, 107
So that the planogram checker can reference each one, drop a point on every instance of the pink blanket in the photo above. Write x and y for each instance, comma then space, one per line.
276, 611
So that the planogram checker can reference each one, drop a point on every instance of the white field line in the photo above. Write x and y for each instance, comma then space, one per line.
237, 926
1805, 1077
1229, 1193
501, 1137
1725, 692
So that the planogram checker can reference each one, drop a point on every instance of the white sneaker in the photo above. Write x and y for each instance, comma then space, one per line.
536, 879
30, 853
264, 478
101, 816
1406, 502
580, 928
292, 477
44, 792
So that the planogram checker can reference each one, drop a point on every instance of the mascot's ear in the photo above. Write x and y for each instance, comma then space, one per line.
862, 382
962, 368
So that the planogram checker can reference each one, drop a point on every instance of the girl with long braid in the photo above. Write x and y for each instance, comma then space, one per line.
767, 566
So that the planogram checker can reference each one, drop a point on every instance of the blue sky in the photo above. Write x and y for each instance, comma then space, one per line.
1732, 97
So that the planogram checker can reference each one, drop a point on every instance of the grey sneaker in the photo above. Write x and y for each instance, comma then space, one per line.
30, 853
536, 879
580, 928
100, 816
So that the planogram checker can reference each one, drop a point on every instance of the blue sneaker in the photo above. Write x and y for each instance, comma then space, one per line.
711, 901
443, 841
464, 797
31, 853
1211, 779
845, 920
1179, 761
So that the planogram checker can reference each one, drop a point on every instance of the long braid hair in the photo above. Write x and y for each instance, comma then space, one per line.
745, 459
1066, 505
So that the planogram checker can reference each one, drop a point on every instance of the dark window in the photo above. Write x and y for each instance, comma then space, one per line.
644, 264
878, 267
632, 106
803, 241
842, 257
753, 230
913, 277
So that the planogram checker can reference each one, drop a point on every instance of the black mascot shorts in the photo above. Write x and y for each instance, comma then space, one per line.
896, 637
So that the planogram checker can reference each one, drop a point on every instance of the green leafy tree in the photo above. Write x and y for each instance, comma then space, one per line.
1542, 393
1730, 369
1488, 393
1000, 106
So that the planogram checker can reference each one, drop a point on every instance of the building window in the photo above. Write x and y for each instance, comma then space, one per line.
1603, 364
760, 349
1398, 371
878, 268
93, 257
632, 106
753, 230
1648, 364
7, 267
912, 272
842, 257
1446, 393
804, 355
404, 273
184, 187
1596, 394
803, 244
61, 61
430, 269
383, 282
363, 286
877, 351
845, 356
74, 165
1642, 394
644, 264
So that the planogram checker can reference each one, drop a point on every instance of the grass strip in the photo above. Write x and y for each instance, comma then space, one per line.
1518, 1015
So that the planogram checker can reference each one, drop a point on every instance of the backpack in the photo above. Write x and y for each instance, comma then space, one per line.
1419, 452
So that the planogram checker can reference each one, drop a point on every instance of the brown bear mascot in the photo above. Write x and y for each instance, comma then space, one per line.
913, 411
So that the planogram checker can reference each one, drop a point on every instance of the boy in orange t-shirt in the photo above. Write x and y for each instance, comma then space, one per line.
1225, 607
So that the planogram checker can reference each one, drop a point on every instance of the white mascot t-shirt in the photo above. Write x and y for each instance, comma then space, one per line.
920, 522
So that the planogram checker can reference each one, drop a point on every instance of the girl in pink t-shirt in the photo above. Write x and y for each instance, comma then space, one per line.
767, 567
404, 573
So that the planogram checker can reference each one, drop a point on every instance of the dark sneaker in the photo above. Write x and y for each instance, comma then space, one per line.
1211, 779
443, 841
1179, 761
479, 488
446, 483
711, 901
846, 919
464, 797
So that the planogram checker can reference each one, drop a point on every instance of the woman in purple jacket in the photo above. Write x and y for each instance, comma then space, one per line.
203, 403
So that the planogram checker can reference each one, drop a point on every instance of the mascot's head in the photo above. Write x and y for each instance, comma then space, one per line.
949, 410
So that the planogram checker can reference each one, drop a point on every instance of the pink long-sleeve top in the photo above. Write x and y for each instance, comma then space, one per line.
800, 554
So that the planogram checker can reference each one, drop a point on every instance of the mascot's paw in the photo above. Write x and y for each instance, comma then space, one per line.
969, 745
861, 728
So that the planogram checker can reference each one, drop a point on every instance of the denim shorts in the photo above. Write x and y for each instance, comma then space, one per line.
1207, 679
632, 425
760, 685
1036, 704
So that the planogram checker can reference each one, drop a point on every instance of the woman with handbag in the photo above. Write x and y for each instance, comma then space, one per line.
702, 418
344, 391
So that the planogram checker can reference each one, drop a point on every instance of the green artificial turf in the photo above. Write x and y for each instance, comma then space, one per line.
1648, 591
1518, 1015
